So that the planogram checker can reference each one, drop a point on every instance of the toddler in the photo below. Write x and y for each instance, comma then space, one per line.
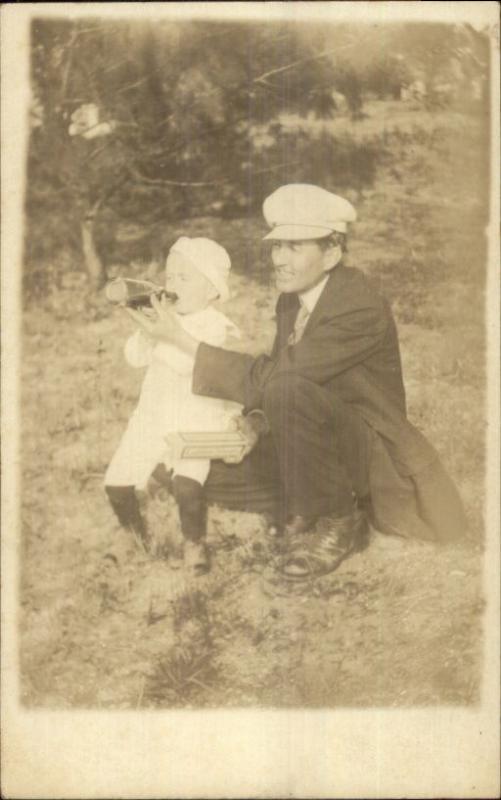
197, 272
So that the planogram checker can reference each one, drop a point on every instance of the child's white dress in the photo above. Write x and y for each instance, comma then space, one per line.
167, 404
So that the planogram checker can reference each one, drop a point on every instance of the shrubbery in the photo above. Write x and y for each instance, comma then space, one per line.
136, 123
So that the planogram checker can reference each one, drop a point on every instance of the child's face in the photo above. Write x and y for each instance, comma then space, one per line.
193, 289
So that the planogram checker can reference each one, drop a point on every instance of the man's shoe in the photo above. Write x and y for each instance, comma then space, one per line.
278, 529
321, 553
298, 524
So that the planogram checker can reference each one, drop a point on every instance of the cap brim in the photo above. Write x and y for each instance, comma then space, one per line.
296, 233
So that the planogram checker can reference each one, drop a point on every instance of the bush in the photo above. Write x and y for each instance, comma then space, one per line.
257, 164
386, 76
299, 156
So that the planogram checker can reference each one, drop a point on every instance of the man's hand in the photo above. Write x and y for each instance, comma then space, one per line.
164, 325
250, 427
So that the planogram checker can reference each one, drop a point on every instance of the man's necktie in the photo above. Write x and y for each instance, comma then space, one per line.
300, 324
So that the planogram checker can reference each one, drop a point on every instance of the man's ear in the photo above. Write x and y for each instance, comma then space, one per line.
333, 254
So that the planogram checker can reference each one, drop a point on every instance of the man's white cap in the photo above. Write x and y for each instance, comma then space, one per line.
209, 258
302, 211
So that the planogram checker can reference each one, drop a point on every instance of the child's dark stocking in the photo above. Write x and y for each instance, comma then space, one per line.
190, 498
125, 504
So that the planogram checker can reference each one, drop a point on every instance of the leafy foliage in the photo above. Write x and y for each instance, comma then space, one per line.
187, 119
175, 107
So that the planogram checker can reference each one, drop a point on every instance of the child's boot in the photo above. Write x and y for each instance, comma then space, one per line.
190, 498
124, 502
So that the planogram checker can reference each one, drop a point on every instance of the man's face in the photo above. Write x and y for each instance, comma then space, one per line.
299, 265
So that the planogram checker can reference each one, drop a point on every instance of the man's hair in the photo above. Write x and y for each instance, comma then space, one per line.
334, 239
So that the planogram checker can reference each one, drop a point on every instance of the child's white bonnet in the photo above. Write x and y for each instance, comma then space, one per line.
209, 258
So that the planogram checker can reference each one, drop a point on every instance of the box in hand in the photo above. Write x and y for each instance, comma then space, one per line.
208, 444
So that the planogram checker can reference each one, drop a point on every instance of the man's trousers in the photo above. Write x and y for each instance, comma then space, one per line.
313, 462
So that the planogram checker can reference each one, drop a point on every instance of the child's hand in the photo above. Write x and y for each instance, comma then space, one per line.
142, 331
160, 324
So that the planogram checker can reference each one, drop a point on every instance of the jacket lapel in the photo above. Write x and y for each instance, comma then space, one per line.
324, 305
287, 308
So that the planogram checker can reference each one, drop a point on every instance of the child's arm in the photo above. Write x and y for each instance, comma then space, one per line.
222, 333
139, 349
181, 362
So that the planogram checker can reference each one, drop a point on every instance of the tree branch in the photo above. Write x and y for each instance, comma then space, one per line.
69, 46
165, 182
157, 184
92, 211
132, 85
275, 166
262, 78
323, 54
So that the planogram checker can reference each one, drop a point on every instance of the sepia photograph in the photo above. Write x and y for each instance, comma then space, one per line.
251, 404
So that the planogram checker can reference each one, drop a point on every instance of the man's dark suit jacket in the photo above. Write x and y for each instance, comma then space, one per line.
350, 348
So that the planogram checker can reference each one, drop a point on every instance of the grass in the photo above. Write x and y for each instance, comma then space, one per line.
104, 626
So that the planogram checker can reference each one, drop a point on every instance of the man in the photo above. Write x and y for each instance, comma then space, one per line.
325, 412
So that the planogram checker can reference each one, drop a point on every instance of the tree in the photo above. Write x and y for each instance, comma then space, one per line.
139, 120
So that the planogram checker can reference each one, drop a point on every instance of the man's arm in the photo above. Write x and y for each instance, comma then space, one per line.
338, 341
333, 346
226, 374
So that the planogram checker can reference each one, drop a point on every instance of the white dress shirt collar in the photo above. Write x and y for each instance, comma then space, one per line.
310, 297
